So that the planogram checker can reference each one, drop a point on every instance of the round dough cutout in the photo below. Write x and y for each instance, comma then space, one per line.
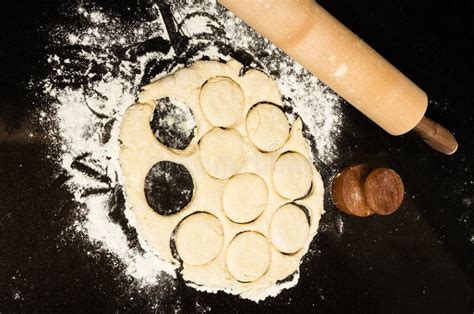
199, 239
173, 123
169, 187
267, 127
244, 197
248, 256
289, 229
222, 101
222, 152
292, 175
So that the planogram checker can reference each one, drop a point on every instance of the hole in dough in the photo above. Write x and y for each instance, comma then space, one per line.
289, 229
267, 127
222, 101
169, 187
199, 238
173, 123
248, 256
292, 175
244, 197
222, 152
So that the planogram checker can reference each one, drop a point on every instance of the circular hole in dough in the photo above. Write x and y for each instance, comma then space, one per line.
222, 152
222, 101
267, 127
292, 175
173, 123
289, 229
244, 197
199, 239
169, 187
248, 256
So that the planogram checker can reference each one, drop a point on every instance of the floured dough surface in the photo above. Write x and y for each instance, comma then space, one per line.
267, 127
292, 175
222, 152
222, 101
245, 197
248, 256
228, 226
289, 228
199, 238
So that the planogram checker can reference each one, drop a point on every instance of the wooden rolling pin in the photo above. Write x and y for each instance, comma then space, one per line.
344, 62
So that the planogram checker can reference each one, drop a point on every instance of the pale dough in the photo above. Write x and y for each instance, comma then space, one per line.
292, 175
140, 150
245, 197
222, 152
268, 127
222, 101
199, 239
289, 229
248, 256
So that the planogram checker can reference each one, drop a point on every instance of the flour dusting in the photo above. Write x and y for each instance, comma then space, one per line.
97, 70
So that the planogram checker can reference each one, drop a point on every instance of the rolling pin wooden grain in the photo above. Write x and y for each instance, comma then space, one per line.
344, 62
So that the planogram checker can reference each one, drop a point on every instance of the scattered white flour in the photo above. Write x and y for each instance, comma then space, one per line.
97, 69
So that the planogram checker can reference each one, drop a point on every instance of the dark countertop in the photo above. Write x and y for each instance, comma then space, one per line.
419, 260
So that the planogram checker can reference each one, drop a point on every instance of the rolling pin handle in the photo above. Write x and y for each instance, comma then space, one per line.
436, 136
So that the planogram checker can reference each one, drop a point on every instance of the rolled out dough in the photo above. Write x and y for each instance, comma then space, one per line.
248, 256
222, 152
268, 127
289, 228
245, 197
222, 101
292, 175
247, 263
199, 239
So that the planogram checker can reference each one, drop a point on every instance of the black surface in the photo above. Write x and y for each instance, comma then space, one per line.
419, 260
166, 132
169, 187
